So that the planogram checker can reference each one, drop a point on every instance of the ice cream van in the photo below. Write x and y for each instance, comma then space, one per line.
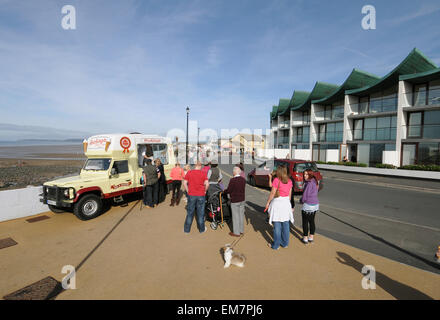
113, 169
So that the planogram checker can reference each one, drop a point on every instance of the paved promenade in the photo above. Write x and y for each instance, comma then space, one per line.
129, 253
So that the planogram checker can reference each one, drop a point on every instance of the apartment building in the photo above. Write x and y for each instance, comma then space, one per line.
394, 119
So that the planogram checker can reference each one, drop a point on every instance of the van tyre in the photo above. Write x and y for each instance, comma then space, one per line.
88, 207
55, 209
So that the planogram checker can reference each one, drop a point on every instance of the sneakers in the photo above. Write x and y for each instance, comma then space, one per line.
204, 230
305, 241
270, 246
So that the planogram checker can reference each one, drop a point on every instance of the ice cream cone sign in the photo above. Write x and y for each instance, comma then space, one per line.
85, 145
107, 144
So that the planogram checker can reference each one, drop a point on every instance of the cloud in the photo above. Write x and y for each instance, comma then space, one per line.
424, 10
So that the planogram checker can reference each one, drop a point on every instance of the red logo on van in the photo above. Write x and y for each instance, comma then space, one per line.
125, 144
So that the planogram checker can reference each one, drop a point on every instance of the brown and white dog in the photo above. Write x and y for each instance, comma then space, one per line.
232, 257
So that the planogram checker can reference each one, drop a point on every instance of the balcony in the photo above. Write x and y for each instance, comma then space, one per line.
376, 134
335, 114
422, 99
284, 125
375, 106
427, 131
300, 139
283, 140
335, 136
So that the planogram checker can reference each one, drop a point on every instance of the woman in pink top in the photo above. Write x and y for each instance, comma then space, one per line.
177, 175
280, 209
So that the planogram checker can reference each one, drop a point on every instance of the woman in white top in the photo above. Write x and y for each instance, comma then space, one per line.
280, 209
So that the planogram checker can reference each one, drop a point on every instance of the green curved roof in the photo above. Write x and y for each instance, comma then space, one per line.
356, 79
274, 112
283, 105
320, 90
415, 62
298, 98
422, 76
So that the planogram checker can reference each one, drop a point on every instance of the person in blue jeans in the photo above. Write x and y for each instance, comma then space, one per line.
195, 184
279, 208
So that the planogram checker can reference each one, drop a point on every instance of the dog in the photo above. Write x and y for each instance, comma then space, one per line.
232, 257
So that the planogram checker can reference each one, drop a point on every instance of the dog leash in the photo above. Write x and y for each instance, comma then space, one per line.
233, 244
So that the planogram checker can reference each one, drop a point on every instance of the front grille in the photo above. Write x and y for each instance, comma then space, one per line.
52, 193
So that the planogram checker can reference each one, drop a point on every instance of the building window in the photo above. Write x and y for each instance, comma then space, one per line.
414, 124
380, 128
431, 124
428, 153
434, 93
420, 95
383, 101
358, 129
322, 128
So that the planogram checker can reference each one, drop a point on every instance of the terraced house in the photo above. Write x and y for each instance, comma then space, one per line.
394, 119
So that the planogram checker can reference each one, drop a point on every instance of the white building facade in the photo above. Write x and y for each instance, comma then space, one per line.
393, 119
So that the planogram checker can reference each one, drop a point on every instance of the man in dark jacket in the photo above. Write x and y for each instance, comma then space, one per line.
151, 178
236, 191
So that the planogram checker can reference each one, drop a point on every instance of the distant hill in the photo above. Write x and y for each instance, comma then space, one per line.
32, 142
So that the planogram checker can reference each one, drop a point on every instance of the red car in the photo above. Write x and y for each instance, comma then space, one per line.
295, 168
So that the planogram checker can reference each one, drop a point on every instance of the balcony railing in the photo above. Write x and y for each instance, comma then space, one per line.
375, 106
334, 136
422, 99
427, 131
300, 139
374, 134
283, 140
284, 125
335, 114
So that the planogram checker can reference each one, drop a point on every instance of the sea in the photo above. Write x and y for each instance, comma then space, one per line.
34, 150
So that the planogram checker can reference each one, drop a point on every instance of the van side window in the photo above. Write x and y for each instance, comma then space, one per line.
160, 150
121, 166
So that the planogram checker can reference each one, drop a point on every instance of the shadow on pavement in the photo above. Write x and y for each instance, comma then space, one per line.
426, 261
259, 210
257, 219
395, 288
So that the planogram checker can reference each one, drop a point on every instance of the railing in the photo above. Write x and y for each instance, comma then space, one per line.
335, 136
337, 113
375, 106
427, 131
283, 140
374, 134
284, 125
422, 99
300, 139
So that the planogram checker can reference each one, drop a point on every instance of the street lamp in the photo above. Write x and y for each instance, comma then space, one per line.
198, 145
187, 117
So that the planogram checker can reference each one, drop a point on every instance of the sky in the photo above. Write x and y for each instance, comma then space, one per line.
135, 65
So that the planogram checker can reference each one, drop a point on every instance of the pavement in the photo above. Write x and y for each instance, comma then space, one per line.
131, 252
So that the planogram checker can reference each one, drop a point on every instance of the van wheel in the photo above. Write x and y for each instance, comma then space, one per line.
88, 207
55, 209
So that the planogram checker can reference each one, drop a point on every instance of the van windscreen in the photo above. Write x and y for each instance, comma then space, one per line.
97, 164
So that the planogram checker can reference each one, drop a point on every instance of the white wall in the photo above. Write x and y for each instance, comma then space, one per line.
271, 153
302, 154
390, 157
21, 203
332, 155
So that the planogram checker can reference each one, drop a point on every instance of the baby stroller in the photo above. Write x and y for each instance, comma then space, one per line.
217, 208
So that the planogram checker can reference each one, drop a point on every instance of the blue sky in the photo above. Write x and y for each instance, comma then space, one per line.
134, 65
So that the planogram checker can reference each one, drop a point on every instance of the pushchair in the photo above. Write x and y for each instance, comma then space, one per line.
217, 209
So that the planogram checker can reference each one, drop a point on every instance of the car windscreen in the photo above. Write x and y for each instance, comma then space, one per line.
301, 167
97, 164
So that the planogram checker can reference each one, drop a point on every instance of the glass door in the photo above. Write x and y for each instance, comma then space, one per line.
409, 154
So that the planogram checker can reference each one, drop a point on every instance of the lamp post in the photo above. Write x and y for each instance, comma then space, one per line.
198, 144
187, 117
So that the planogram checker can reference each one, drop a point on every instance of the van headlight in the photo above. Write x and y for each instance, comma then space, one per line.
69, 193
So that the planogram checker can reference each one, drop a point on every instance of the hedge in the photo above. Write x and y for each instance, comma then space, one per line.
385, 166
421, 167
